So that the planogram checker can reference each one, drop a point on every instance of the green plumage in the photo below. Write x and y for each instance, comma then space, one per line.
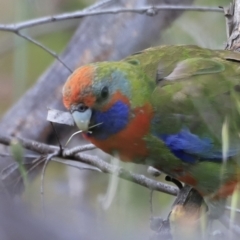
173, 107
197, 89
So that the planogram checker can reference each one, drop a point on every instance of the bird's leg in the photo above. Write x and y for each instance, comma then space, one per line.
175, 181
186, 218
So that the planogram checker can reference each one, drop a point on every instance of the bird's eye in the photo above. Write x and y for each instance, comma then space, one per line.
104, 92
82, 108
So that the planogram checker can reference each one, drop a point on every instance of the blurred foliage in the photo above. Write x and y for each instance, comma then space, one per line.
74, 195
200, 28
21, 63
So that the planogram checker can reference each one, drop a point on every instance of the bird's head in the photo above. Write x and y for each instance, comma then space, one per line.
102, 96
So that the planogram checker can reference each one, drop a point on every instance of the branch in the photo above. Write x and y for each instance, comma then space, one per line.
16, 30
75, 150
38, 147
148, 10
232, 227
188, 200
54, 151
48, 50
127, 175
232, 15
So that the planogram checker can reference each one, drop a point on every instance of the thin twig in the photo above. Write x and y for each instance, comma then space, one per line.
35, 146
97, 162
226, 221
42, 148
13, 28
127, 175
7, 46
57, 137
37, 162
48, 159
151, 202
13, 167
52, 53
232, 209
148, 10
75, 164
71, 152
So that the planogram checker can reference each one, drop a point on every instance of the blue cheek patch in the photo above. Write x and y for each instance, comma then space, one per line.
113, 120
190, 148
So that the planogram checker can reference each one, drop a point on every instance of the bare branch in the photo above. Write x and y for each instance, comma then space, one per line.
148, 10
52, 53
13, 28
127, 175
75, 164
226, 221
71, 152
232, 209
48, 159
74, 153
84, 48
38, 147
54, 151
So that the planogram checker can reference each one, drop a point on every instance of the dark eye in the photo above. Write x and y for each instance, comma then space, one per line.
104, 92
82, 108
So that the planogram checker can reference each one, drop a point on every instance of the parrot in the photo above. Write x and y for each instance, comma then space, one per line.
173, 107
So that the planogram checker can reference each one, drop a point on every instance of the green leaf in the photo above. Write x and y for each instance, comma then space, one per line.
18, 155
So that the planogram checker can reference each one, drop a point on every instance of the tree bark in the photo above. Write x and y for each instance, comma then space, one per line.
232, 14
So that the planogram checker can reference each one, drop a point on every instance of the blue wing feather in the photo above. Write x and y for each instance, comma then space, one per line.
191, 148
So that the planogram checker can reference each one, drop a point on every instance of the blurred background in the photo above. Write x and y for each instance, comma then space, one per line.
88, 201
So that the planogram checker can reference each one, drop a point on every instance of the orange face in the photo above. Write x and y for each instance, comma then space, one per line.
78, 87
101, 107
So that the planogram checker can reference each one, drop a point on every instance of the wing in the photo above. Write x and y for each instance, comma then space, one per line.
196, 100
196, 115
